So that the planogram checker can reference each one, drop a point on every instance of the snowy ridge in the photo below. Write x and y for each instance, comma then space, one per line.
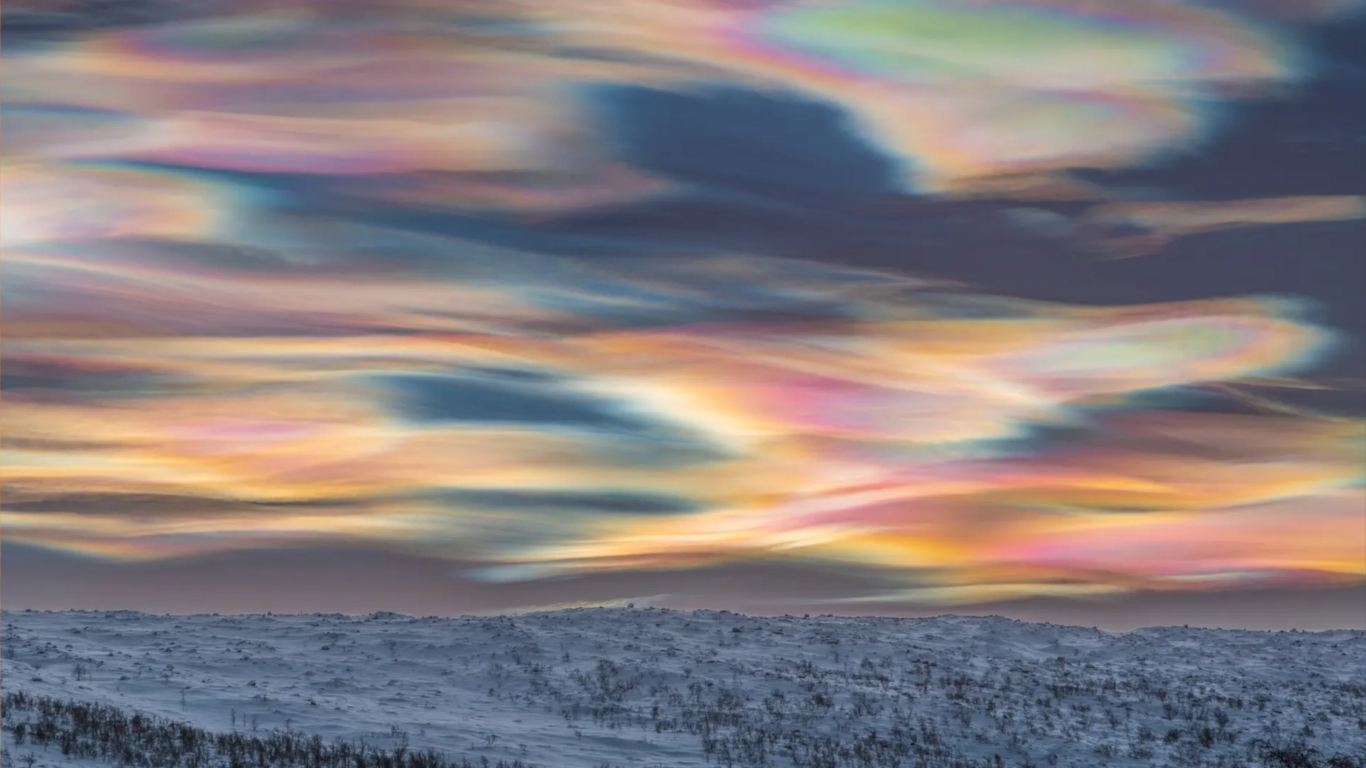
659, 688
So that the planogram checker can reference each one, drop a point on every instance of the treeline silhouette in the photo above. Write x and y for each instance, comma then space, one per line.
105, 732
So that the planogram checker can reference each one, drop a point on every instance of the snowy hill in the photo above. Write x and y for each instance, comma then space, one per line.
667, 689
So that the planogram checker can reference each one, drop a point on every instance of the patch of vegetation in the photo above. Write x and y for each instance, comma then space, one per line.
104, 732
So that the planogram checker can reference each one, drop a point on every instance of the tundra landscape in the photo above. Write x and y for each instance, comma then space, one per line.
659, 688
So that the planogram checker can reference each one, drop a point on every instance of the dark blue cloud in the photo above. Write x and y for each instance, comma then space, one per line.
23, 29
501, 401
744, 141
55, 380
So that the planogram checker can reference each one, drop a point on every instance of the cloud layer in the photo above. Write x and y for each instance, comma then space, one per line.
287, 276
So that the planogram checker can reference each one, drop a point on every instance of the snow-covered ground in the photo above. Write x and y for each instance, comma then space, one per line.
660, 689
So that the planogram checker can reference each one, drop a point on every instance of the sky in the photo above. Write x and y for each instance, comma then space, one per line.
1046, 308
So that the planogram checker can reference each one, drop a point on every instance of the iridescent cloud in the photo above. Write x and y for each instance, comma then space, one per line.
966, 90
1160, 222
963, 92
896, 433
229, 325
